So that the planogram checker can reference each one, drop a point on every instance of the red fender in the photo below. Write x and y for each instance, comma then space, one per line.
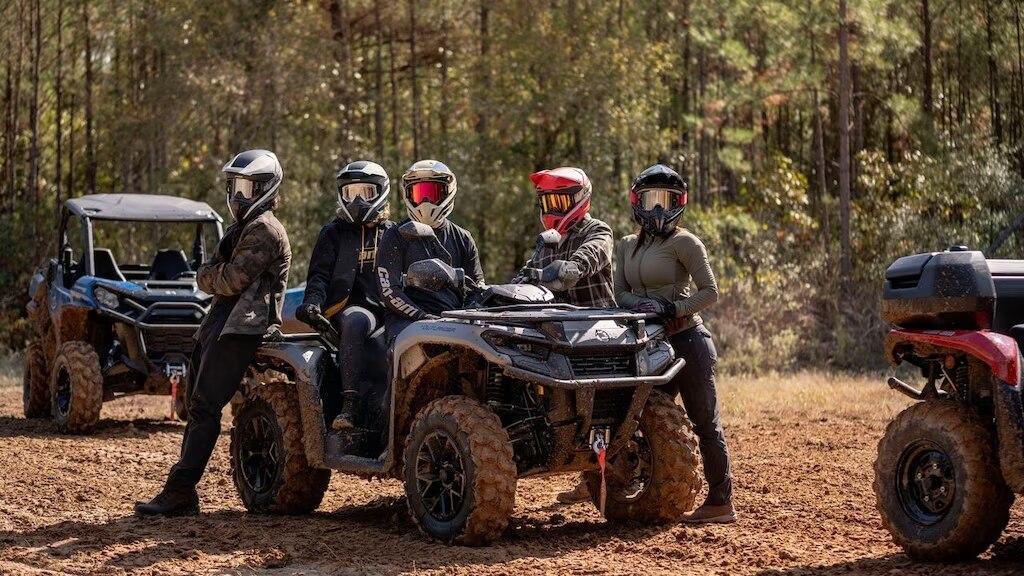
997, 350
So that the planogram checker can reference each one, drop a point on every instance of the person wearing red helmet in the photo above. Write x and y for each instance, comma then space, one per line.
584, 253
654, 273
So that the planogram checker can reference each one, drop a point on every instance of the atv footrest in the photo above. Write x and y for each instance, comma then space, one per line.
355, 464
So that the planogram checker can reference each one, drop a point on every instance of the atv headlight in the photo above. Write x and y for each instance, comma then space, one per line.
106, 297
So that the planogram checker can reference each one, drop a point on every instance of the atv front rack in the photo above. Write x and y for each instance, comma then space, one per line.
546, 312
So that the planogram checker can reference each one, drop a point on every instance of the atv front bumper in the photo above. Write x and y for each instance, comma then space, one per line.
598, 383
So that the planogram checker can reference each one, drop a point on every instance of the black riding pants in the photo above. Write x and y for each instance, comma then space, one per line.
696, 384
354, 325
222, 363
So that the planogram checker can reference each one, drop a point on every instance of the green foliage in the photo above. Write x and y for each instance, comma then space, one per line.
728, 93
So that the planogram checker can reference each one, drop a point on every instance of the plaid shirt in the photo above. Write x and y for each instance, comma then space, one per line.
589, 244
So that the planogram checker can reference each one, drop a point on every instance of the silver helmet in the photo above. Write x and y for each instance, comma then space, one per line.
428, 190
253, 178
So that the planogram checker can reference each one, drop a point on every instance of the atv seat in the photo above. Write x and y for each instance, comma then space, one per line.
1008, 277
168, 265
105, 266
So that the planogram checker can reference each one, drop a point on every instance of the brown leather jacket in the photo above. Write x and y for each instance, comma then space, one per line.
256, 273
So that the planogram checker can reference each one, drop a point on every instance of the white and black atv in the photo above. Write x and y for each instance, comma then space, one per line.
515, 386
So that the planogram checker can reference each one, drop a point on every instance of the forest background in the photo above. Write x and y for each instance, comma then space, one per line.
821, 139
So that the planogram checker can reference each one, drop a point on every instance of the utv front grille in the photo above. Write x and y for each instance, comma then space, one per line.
602, 365
612, 405
162, 341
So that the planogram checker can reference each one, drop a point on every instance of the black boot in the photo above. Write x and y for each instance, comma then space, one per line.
170, 503
346, 418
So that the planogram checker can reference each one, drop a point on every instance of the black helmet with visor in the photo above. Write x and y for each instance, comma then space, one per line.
658, 197
363, 192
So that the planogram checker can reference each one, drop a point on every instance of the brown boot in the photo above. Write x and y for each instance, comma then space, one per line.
581, 493
711, 514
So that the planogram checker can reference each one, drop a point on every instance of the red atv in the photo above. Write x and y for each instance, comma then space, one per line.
948, 467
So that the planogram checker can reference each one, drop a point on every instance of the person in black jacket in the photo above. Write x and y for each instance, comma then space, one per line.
340, 283
428, 189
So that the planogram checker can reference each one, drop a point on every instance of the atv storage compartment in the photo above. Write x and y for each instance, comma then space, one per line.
940, 290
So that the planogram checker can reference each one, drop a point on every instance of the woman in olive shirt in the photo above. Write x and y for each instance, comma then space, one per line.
653, 273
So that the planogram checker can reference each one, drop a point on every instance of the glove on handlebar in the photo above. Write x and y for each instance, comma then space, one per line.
560, 275
307, 312
659, 306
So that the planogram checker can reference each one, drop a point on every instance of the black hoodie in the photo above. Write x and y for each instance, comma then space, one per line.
341, 268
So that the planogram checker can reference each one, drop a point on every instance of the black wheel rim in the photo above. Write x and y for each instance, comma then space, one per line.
63, 396
440, 476
926, 483
637, 464
259, 453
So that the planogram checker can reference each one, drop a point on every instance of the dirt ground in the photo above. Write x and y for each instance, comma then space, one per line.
802, 448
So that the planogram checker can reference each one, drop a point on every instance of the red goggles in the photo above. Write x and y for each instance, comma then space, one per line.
428, 191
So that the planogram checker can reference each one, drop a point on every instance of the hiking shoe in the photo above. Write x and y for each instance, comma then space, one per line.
343, 421
581, 493
711, 514
169, 503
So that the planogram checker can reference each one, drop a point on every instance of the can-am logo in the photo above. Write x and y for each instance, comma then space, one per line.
602, 336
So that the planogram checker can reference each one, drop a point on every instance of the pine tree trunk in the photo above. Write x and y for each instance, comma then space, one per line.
32, 179
378, 104
846, 263
90, 146
927, 101
415, 84
1020, 95
485, 65
58, 88
392, 60
993, 77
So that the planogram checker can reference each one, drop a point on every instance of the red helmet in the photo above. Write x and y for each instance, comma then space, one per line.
564, 197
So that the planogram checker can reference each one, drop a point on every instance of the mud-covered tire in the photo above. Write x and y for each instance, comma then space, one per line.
673, 473
35, 384
268, 458
478, 451
933, 449
76, 388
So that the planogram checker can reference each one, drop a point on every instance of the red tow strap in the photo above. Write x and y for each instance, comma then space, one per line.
601, 450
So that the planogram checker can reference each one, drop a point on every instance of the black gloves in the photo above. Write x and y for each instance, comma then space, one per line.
306, 312
660, 306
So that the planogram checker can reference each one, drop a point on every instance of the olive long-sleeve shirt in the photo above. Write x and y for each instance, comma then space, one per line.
663, 268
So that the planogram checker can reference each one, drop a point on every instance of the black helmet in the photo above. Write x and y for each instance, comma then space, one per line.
363, 191
658, 196
253, 178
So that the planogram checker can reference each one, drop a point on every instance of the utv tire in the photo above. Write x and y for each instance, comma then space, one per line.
937, 482
460, 476
35, 386
76, 388
662, 463
268, 458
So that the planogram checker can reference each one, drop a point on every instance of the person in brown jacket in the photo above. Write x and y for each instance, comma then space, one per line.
247, 276
654, 271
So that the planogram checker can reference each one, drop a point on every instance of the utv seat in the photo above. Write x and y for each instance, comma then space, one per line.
168, 265
104, 265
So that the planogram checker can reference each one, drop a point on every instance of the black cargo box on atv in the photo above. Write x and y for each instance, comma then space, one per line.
940, 290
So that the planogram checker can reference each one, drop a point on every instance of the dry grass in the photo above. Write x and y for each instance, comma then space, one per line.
10, 369
807, 396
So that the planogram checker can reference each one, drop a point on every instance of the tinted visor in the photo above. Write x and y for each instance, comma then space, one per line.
429, 191
350, 192
243, 187
667, 198
556, 202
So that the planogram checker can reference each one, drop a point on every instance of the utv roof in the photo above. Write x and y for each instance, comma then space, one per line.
141, 208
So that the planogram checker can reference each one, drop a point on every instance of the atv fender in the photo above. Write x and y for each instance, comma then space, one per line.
999, 352
1010, 428
307, 365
